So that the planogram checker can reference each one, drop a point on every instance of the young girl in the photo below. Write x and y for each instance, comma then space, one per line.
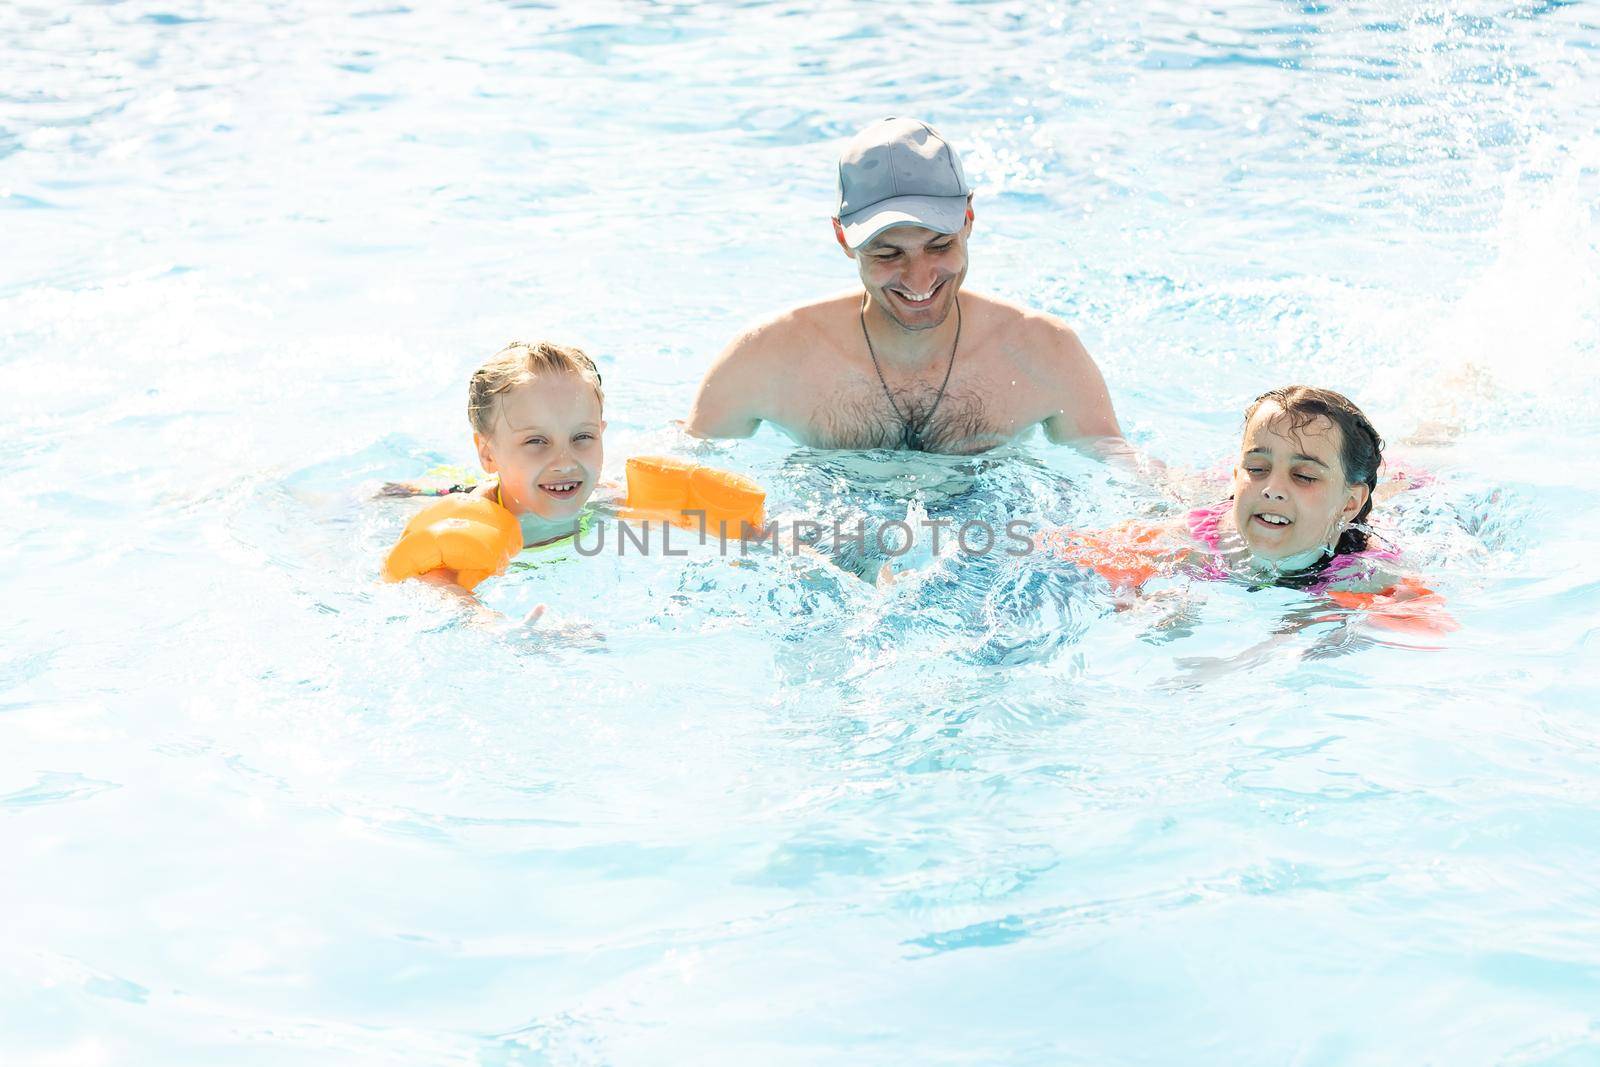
537, 415
1302, 491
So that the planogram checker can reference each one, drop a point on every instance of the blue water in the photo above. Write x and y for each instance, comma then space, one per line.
259, 808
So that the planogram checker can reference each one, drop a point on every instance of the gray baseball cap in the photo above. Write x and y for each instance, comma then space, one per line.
900, 172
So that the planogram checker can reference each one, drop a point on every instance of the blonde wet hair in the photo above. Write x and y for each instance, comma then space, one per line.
517, 364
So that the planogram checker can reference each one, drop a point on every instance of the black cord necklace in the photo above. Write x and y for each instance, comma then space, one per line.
911, 436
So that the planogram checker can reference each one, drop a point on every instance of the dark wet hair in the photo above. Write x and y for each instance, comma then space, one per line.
1361, 454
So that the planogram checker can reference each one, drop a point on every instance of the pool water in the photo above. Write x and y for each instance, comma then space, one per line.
260, 808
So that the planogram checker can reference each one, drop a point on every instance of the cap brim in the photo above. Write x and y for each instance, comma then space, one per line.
941, 214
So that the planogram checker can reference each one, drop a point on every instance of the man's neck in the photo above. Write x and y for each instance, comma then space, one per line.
909, 350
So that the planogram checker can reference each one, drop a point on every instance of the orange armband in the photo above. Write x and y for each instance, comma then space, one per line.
470, 535
1407, 607
1127, 556
678, 491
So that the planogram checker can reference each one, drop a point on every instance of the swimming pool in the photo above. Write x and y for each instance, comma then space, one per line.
259, 808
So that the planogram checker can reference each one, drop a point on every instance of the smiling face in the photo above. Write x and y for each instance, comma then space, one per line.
1290, 493
913, 273
546, 445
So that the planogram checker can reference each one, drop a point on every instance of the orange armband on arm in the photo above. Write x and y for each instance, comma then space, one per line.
470, 535
675, 490
1407, 607
1127, 556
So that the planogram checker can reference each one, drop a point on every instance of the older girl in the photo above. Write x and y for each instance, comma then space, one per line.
1302, 493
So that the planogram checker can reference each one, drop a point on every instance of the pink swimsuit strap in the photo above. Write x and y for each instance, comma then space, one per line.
1205, 524
1204, 527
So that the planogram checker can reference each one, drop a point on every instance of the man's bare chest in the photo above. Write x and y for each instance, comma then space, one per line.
969, 413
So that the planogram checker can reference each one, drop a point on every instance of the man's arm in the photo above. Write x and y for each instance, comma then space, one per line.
729, 403
1084, 416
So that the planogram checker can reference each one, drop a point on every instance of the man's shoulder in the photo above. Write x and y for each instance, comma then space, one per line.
800, 326
1028, 332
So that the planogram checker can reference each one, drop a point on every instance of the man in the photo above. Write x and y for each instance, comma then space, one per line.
912, 362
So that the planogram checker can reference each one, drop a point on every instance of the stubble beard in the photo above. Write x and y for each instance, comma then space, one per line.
886, 305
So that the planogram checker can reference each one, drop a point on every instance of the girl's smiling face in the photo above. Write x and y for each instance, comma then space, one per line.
546, 446
1290, 489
